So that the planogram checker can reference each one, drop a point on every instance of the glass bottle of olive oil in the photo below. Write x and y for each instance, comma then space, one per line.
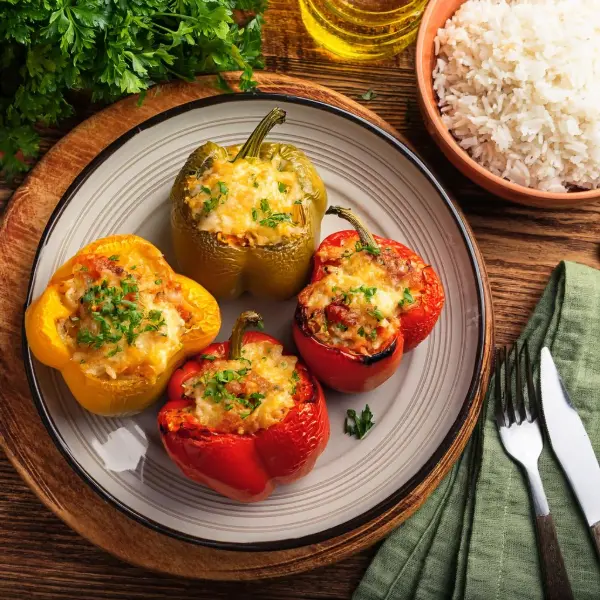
363, 29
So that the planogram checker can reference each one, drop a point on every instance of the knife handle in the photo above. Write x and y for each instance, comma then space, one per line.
554, 573
595, 529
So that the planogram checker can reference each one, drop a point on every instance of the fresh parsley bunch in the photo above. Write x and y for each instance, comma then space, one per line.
110, 48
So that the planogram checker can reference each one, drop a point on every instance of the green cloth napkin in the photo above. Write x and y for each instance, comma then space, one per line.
474, 538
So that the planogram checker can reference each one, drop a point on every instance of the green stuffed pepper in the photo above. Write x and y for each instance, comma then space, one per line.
249, 218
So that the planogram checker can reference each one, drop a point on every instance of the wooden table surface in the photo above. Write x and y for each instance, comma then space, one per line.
40, 557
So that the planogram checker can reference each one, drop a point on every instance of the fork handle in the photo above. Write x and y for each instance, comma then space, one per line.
595, 529
554, 573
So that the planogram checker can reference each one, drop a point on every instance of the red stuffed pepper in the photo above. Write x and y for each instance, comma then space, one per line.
243, 417
370, 299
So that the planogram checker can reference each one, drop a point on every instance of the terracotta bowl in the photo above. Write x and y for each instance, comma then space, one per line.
436, 15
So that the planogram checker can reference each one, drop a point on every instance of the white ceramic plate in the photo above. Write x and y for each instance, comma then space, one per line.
418, 412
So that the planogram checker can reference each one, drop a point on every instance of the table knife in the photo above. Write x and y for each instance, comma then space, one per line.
571, 444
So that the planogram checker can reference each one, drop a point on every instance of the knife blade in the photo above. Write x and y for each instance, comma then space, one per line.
571, 443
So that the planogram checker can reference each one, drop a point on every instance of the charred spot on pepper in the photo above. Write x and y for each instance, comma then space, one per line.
370, 359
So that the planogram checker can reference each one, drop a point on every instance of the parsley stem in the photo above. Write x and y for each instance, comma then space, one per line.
366, 237
245, 320
251, 148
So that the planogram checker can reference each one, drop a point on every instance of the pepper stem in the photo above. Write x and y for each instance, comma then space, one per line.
366, 237
251, 148
246, 319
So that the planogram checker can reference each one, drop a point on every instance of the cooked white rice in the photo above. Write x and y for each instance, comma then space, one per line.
519, 87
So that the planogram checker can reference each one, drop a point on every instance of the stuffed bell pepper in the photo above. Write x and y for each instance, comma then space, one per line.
116, 321
243, 416
370, 300
248, 219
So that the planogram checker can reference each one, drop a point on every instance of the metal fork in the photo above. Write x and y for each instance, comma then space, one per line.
521, 437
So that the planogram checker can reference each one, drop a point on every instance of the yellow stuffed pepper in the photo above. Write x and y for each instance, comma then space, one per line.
116, 321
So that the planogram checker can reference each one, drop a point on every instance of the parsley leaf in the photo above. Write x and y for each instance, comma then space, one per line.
110, 49
358, 426
368, 248
274, 219
210, 205
407, 298
368, 292
368, 95
264, 206
222, 187
376, 313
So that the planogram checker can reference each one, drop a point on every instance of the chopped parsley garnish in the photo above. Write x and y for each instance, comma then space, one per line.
206, 190
297, 201
210, 205
358, 426
264, 206
376, 313
84, 268
295, 380
359, 247
369, 336
210, 357
158, 281
215, 389
114, 257
367, 247
368, 292
282, 187
222, 187
116, 317
255, 184
214, 384
276, 218
407, 298
114, 351
341, 326
253, 402
344, 295
254, 214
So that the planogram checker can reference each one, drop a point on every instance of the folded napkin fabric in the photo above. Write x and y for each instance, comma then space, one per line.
474, 538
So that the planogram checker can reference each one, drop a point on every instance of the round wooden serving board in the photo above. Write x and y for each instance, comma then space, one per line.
24, 437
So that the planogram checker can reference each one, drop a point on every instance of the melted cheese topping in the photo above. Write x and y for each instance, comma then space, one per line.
251, 200
259, 394
126, 319
358, 303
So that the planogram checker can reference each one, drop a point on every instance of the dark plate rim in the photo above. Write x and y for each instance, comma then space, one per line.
381, 507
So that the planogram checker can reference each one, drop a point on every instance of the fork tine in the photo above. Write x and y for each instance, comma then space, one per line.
519, 406
508, 395
531, 392
501, 420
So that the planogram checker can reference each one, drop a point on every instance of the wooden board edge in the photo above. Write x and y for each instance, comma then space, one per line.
27, 214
